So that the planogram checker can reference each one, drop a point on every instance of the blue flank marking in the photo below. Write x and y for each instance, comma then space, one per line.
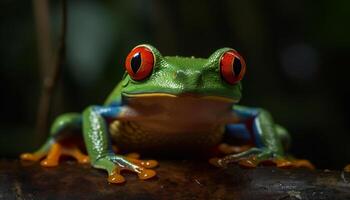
116, 103
246, 113
238, 131
251, 113
108, 111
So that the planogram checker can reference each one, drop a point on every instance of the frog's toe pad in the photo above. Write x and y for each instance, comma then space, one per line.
31, 156
115, 177
82, 159
146, 174
49, 163
143, 163
142, 173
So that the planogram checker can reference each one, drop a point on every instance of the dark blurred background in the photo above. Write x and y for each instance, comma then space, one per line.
297, 53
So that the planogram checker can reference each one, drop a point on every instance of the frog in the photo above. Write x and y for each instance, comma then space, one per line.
170, 104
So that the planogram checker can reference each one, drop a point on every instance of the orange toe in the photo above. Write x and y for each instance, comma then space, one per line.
143, 163
49, 163
303, 164
115, 177
31, 156
146, 174
77, 154
53, 156
83, 159
149, 163
282, 163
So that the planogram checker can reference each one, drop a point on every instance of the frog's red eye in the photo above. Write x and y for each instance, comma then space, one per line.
139, 63
232, 67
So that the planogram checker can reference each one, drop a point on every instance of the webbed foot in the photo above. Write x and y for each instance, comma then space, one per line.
115, 164
254, 157
134, 158
54, 154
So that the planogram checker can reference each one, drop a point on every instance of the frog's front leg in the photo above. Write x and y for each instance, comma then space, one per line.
53, 148
99, 146
268, 140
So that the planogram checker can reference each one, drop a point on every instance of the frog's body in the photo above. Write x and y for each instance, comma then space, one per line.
167, 124
171, 104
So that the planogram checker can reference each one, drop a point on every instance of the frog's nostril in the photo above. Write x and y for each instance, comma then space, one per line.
191, 79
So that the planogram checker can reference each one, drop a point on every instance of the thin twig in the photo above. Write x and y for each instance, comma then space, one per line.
41, 13
52, 72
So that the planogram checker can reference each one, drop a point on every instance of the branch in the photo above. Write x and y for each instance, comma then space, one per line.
176, 179
49, 71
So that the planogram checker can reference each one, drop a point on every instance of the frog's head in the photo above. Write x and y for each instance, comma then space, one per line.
149, 74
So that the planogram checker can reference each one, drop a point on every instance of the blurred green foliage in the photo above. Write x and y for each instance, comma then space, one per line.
297, 54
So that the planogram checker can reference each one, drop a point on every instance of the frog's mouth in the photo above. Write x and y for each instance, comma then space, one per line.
185, 95
183, 109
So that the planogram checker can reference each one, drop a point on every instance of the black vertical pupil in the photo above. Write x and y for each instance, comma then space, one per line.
136, 62
237, 66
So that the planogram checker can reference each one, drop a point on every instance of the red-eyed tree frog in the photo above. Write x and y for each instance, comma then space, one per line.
170, 105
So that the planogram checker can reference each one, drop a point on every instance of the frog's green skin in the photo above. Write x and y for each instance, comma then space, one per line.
183, 104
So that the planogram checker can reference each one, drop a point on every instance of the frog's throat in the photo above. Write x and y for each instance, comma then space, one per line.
215, 98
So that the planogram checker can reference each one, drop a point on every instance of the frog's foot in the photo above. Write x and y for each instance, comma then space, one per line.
134, 158
54, 154
347, 168
143, 174
254, 157
115, 164
250, 158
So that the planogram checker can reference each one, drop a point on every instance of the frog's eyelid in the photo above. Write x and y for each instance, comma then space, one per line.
216, 55
157, 56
